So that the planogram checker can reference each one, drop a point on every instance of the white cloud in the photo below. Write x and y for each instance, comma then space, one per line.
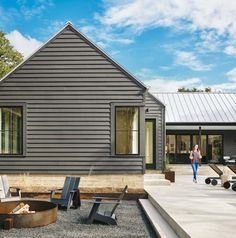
232, 75
230, 50
217, 15
190, 60
145, 73
36, 7
167, 85
105, 35
24, 44
224, 87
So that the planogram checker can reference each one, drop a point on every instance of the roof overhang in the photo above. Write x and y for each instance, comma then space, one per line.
204, 126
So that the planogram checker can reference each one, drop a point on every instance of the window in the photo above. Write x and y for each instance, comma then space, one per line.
203, 145
127, 130
215, 147
170, 142
11, 131
183, 144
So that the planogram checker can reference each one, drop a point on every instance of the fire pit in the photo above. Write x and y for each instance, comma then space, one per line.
44, 213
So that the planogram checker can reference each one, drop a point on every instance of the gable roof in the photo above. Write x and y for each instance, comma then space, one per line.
199, 107
88, 41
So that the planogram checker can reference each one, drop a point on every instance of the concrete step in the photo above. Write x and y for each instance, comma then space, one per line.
155, 176
172, 223
161, 227
156, 182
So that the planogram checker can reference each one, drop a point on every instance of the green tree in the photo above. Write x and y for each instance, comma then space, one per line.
9, 57
183, 89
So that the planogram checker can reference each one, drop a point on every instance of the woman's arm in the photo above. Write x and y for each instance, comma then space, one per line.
200, 158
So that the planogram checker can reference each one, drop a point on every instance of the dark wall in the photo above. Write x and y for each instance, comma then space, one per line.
229, 143
156, 110
68, 88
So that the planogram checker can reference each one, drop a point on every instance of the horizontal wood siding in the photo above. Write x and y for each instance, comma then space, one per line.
68, 87
155, 110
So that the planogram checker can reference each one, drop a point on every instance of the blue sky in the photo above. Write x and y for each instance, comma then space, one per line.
166, 43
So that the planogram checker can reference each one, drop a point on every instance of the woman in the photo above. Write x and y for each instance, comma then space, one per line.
195, 157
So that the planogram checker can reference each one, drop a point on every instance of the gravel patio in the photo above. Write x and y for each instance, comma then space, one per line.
131, 223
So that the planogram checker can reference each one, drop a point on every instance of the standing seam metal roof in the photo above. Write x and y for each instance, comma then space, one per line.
199, 107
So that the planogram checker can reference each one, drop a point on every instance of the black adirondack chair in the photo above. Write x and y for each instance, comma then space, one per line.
70, 193
5, 190
107, 216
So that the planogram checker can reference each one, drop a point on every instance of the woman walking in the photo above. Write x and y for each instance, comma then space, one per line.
195, 157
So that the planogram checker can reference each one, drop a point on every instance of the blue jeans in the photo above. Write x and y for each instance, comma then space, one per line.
194, 167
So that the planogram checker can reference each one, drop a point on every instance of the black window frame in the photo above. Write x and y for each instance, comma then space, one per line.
206, 133
23, 128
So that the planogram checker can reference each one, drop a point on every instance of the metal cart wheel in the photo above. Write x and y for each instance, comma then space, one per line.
226, 185
207, 180
214, 182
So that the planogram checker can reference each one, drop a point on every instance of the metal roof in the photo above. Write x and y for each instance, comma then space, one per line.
199, 107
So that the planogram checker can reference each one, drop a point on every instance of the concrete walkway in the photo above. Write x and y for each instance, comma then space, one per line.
196, 210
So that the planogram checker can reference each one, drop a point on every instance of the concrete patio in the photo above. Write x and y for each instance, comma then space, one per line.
191, 210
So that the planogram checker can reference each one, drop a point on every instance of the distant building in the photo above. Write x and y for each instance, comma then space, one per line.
211, 115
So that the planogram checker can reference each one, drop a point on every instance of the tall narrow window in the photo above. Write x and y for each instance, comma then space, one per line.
127, 130
11, 134
170, 143
183, 144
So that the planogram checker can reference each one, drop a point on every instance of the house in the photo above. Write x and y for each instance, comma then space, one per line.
207, 119
70, 108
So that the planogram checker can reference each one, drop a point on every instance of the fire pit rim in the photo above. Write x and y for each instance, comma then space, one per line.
30, 220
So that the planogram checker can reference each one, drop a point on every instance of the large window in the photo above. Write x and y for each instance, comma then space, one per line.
127, 130
11, 133
183, 144
178, 146
215, 147
202, 144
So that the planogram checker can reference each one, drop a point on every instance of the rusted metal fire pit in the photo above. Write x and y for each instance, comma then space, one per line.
45, 214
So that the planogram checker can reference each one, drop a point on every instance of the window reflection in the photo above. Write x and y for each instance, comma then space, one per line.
170, 142
127, 130
183, 144
203, 145
215, 147
10, 130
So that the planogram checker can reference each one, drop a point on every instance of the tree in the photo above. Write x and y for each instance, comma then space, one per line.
9, 57
183, 89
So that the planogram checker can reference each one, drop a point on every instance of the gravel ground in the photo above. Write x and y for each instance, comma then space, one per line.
131, 223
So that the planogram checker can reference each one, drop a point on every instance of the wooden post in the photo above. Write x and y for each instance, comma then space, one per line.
199, 137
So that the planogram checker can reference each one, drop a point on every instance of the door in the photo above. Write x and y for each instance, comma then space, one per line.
150, 139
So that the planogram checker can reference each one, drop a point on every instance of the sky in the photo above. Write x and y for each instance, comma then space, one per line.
167, 44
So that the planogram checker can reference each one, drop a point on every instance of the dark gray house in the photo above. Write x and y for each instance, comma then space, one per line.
207, 119
70, 108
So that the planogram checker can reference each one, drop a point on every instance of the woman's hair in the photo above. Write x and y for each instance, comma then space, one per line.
193, 148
